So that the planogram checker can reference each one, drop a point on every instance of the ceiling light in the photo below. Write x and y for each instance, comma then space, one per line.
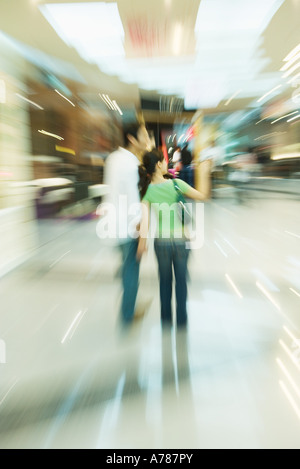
224, 30
237, 15
177, 40
95, 28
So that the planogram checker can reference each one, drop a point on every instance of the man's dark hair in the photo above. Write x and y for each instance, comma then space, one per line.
131, 128
186, 156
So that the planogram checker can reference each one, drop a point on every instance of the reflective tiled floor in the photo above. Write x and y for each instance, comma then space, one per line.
74, 379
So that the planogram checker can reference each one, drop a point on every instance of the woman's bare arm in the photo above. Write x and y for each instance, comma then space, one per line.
195, 195
205, 184
144, 229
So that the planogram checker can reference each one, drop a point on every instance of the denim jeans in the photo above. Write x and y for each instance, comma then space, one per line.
172, 254
130, 279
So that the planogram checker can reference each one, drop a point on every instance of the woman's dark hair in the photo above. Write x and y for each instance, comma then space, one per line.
147, 169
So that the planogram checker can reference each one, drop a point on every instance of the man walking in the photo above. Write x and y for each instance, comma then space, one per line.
122, 177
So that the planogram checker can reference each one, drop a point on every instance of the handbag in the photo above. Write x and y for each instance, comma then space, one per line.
183, 211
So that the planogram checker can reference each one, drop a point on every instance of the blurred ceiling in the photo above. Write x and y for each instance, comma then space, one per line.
215, 55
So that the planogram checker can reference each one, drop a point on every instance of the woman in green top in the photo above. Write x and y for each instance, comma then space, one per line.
170, 245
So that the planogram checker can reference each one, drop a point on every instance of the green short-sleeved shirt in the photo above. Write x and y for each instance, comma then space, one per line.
163, 200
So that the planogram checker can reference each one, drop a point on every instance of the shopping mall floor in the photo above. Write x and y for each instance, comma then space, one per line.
74, 379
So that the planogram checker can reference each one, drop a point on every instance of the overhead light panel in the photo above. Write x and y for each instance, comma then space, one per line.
96, 31
177, 40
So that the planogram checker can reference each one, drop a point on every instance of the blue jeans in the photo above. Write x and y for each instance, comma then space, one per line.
130, 279
172, 254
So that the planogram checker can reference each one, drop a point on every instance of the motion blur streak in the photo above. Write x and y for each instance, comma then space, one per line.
234, 286
290, 379
265, 292
72, 327
7, 393
296, 293
290, 398
289, 353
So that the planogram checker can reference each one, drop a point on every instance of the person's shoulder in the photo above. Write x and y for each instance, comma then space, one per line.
123, 158
150, 189
147, 197
184, 186
112, 156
